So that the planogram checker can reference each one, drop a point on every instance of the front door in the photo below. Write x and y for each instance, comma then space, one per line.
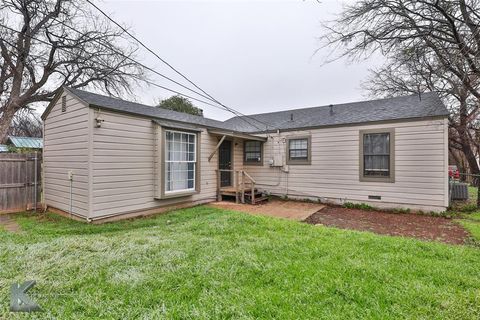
225, 163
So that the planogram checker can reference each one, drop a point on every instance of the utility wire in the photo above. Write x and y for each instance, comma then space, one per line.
152, 70
231, 110
135, 61
235, 112
106, 66
125, 57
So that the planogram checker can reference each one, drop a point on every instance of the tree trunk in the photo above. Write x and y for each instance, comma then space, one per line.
6, 120
466, 142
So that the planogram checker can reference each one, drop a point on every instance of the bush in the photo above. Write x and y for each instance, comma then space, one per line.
401, 210
361, 206
468, 208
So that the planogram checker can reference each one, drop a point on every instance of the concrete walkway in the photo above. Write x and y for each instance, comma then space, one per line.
8, 223
294, 210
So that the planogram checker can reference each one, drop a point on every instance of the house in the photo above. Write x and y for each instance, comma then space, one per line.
3, 148
106, 158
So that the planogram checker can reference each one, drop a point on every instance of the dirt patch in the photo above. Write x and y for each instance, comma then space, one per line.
9, 224
407, 225
294, 210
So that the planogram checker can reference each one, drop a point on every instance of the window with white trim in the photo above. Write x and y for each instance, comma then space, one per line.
180, 161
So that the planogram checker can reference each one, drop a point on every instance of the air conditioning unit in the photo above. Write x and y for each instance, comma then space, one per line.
459, 191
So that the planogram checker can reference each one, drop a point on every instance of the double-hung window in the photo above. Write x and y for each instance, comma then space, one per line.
252, 152
180, 161
377, 161
298, 150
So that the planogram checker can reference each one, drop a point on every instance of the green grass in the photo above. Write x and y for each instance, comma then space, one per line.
205, 263
468, 215
473, 227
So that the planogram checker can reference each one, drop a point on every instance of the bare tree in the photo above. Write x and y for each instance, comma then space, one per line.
429, 45
26, 123
47, 44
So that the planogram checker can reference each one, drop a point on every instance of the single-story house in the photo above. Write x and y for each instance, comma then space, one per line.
105, 157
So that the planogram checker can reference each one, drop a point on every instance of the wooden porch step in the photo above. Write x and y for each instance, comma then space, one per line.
259, 199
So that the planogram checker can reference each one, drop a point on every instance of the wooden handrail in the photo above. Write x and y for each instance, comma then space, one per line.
239, 185
249, 176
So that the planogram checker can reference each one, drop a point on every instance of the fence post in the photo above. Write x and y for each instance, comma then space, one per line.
478, 195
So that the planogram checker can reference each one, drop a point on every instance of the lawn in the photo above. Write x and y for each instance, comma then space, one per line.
204, 263
468, 216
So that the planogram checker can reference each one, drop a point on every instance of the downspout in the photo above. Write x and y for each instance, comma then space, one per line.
36, 182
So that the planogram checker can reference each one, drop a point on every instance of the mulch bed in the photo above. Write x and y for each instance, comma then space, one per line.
407, 225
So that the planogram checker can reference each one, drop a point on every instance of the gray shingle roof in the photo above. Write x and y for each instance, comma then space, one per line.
398, 108
406, 107
102, 101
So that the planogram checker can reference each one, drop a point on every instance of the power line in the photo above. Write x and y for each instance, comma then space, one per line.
104, 65
231, 110
152, 70
235, 112
135, 61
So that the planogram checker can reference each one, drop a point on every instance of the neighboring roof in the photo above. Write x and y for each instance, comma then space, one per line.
97, 100
398, 108
3, 148
26, 142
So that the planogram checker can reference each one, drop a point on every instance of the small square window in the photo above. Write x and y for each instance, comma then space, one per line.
252, 152
298, 150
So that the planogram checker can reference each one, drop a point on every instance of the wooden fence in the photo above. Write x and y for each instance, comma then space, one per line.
18, 182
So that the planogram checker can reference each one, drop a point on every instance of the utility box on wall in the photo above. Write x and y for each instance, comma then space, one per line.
277, 160
278, 150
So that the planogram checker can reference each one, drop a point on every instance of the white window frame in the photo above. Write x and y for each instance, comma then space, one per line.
194, 161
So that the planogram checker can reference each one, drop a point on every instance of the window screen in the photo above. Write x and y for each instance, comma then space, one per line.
298, 149
180, 161
252, 152
376, 154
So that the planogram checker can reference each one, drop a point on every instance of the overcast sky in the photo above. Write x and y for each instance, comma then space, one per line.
254, 56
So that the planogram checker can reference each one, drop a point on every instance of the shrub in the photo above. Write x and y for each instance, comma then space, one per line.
361, 206
468, 208
401, 210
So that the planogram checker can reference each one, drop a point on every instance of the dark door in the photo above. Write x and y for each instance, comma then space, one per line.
225, 163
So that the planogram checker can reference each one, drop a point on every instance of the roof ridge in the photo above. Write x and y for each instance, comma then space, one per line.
142, 104
337, 104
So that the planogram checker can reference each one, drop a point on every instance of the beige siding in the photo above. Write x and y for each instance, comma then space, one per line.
124, 164
115, 166
420, 167
65, 149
